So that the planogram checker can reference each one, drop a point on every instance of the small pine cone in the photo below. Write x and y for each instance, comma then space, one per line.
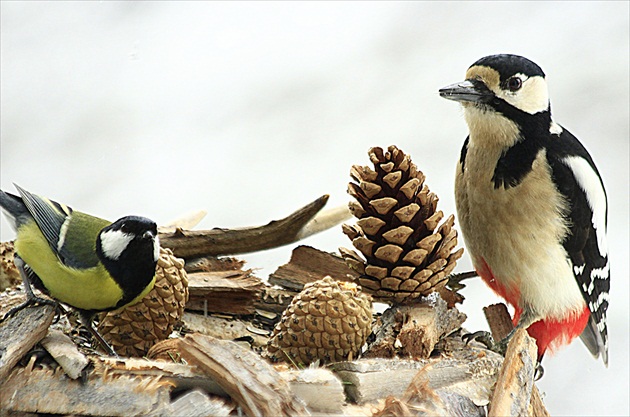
132, 331
9, 275
408, 252
329, 320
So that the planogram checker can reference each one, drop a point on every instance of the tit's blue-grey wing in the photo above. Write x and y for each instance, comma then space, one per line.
49, 215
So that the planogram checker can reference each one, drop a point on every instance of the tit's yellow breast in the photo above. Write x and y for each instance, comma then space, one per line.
87, 289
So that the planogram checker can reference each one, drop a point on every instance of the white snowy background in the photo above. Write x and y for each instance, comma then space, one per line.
250, 110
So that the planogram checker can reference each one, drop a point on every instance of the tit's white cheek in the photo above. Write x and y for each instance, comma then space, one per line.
114, 242
156, 248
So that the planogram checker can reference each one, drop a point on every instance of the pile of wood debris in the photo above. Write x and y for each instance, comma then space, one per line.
415, 362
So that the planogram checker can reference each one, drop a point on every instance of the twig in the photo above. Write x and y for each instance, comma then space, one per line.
193, 244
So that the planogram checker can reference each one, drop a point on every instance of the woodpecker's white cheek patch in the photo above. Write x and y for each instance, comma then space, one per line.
532, 97
114, 242
591, 184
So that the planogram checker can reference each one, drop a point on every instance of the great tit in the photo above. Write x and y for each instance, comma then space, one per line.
83, 261
532, 205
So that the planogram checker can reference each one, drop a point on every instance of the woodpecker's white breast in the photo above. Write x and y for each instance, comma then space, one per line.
517, 230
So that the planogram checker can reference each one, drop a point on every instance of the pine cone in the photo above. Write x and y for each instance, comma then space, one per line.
329, 320
407, 254
131, 331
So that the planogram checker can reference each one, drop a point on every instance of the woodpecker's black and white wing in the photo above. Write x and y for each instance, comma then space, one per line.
578, 179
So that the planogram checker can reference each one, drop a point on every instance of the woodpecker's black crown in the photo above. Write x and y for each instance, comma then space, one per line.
507, 65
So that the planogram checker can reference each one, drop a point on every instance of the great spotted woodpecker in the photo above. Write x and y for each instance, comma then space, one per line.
532, 206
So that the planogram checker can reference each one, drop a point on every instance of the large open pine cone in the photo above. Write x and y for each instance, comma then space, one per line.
132, 331
329, 320
408, 252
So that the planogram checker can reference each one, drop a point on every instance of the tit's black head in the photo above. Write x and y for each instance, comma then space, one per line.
129, 249
136, 226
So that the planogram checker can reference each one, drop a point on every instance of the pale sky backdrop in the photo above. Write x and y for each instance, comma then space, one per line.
250, 110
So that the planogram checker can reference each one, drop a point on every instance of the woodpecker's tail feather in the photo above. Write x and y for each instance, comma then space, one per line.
592, 339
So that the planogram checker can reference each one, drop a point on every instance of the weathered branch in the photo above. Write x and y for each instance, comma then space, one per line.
513, 391
500, 325
194, 244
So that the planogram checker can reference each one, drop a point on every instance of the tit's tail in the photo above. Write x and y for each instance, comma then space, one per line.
14, 209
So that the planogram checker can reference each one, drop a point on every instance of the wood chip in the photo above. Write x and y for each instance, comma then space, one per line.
65, 352
319, 388
232, 292
250, 381
197, 404
20, 332
308, 264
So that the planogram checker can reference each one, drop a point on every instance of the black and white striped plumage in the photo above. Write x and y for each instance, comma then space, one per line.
532, 205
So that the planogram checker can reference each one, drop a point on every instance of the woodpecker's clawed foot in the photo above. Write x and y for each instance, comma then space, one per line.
454, 281
487, 340
31, 301
481, 336
539, 372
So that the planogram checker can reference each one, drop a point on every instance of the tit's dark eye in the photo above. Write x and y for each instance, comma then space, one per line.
514, 84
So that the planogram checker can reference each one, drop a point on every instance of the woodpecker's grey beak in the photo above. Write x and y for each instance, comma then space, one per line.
470, 90
148, 235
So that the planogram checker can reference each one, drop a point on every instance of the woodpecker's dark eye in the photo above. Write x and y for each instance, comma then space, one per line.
514, 84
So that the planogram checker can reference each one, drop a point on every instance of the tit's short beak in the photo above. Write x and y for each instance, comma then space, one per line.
148, 235
470, 90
